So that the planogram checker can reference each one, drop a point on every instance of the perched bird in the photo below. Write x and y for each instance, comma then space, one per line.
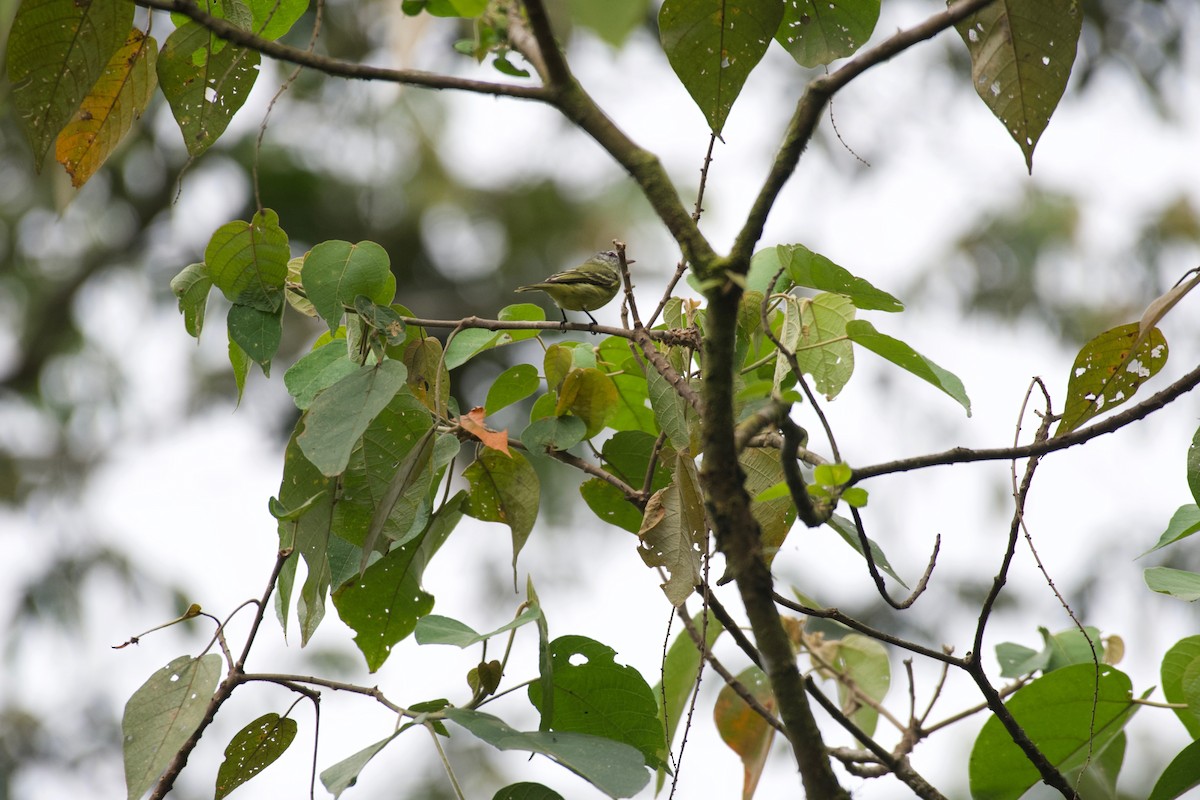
589, 286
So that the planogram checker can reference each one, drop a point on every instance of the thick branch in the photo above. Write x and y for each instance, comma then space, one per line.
337, 67
808, 112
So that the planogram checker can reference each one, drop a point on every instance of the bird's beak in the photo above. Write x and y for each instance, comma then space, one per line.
631, 261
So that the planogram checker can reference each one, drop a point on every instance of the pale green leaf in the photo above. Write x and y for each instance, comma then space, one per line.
504, 489
339, 415
248, 261
1178, 583
1184, 522
435, 629
1180, 776
318, 370
864, 334
823, 350
191, 287
815, 271
511, 386
344, 774
1181, 681
672, 532
336, 272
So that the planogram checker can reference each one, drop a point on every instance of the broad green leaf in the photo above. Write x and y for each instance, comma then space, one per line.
590, 395
435, 629
1016, 659
339, 415
1182, 774
318, 370
504, 489
823, 350
614, 768
526, 791
1184, 522
789, 337
248, 261
764, 265
613, 20
446, 8
673, 530
1107, 373
385, 322
1177, 583
849, 533
253, 749
681, 671
344, 774
427, 374
1193, 466
309, 533
240, 363
775, 517
336, 272
191, 287
554, 433
107, 113
610, 504
386, 484
257, 332
1181, 681
865, 663
670, 410
817, 32
815, 271
383, 605
522, 312
632, 411
1021, 57
713, 45
469, 343
864, 334
1060, 712
557, 363
594, 694
743, 729
162, 714
57, 50
627, 455
274, 18
511, 386
205, 82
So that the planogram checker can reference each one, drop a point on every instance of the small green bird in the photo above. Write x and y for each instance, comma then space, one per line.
584, 288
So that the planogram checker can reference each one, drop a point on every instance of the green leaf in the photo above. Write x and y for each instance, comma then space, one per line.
205, 82
610, 504
1016, 659
522, 312
257, 332
469, 343
764, 265
594, 694
673, 530
632, 410
240, 363
681, 671
308, 533
1177, 583
107, 113
743, 729
511, 386
1021, 57
1056, 712
1181, 681
849, 533
815, 271
191, 287
344, 774
253, 749
274, 18
590, 395
554, 433
339, 415
435, 629
449, 8
864, 662
817, 32
1107, 373
526, 791
613, 20
162, 714
385, 322
864, 334
57, 50
384, 604
714, 44
248, 261
336, 272
823, 350
1184, 522
557, 363
427, 374
318, 370
403, 496
775, 517
614, 768
1182, 774
504, 489
670, 410
1193, 466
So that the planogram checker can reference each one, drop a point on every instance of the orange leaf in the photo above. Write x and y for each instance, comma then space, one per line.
743, 729
118, 97
472, 423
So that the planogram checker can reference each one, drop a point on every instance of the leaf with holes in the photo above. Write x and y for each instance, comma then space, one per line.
119, 96
162, 714
504, 488
713, 45
672, 532
823, 350
1021, 53
253, 749
205, 82
1107, 372
57, 50
817, 32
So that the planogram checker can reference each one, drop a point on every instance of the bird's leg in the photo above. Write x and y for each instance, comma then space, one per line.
594, 323
564, 316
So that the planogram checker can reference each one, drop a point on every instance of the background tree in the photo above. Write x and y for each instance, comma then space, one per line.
85, 429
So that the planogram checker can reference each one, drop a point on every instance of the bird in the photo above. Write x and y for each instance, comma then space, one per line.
592, 284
